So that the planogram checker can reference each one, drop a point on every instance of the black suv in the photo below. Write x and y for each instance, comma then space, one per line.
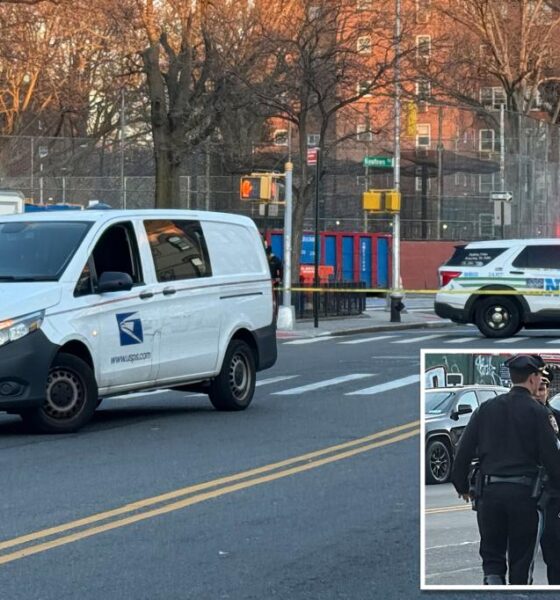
447, 412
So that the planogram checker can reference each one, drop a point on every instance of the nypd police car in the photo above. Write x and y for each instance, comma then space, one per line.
100, 303
502, 285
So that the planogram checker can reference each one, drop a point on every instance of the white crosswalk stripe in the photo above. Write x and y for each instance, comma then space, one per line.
461, 340
512, 340
274, 380
371, 339
323, 384
422, 338
309, 340
385, 387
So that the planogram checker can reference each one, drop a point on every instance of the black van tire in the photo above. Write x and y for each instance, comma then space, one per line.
234, 387
498, 317
70, 397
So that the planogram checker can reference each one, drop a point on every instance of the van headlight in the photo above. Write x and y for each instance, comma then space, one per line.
14, 329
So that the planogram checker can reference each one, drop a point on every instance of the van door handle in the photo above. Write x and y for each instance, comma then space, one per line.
146, 295
168, 291
517, 272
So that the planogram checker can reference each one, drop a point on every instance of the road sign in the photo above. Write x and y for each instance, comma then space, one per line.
384, 162
502, 196
502, 213
312, 156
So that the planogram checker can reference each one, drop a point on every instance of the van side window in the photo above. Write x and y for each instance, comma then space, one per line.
116, 250
179, 249
538, 257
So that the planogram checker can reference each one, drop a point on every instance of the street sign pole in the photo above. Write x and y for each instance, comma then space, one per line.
317, 245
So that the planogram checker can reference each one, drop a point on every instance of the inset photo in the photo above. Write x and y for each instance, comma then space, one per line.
490, 469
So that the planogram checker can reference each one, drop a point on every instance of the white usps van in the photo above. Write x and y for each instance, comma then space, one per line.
100, 303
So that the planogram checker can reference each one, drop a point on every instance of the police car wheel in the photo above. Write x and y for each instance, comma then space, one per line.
438, 462
234, 387
498, 317
70, 397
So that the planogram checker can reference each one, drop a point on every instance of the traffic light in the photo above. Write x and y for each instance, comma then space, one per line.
371, 200
255, 187
278, 189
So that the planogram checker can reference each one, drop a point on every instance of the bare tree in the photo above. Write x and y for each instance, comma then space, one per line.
510, 43
319, 59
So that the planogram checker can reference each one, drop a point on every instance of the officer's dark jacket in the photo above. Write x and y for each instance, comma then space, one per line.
511, 435
550, 489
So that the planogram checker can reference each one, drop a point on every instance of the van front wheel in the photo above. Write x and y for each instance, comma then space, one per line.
70, 397
498, 317
234, 387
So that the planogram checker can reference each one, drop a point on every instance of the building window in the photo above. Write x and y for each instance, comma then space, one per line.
486, 182
488, 141
492, 97
418, 184
422, 9
363, 133
423, 46
423, 89
313, 139
536, 101
364, 4
364, 44
423, 137
280, 137
363, 88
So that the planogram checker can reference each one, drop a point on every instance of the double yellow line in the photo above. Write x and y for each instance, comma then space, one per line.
46, 539
446, 509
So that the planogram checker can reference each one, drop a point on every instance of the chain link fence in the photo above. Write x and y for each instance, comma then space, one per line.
447, 181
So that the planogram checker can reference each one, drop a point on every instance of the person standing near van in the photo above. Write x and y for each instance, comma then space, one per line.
550, 501
512, 437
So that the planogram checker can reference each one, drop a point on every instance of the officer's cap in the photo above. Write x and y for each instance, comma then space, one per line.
531, 363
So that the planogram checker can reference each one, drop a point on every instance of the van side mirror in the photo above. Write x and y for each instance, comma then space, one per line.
114, 281
462, 409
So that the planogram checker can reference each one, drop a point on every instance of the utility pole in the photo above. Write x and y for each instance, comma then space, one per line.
396, 292
286, 313
123, 123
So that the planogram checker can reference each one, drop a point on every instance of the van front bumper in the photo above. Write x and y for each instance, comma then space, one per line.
24, 366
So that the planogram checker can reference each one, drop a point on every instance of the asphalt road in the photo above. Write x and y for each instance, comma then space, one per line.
312, 493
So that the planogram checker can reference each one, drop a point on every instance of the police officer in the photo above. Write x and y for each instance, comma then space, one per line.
550, 541
511, 435
275, 265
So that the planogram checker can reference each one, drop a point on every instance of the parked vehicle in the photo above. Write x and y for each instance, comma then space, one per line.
99, 303
11, 202
502, 286
447, 412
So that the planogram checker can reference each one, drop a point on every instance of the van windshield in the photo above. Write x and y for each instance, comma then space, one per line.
38, 251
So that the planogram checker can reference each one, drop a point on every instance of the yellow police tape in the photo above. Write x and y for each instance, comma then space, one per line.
487, 292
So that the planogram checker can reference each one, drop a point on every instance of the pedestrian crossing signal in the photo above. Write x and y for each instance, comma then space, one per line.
250, 188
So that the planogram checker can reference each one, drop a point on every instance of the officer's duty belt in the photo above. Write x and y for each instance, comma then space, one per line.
519, 479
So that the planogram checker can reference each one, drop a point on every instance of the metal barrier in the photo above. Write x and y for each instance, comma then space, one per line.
336, 299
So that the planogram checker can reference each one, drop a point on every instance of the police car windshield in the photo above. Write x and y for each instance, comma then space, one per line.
38, 251
438, 403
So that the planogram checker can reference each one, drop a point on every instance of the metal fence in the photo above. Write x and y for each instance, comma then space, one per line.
447, 181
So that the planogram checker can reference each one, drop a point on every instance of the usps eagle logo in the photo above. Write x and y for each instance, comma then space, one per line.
130, 329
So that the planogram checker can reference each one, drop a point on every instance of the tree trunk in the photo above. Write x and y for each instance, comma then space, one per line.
167, 181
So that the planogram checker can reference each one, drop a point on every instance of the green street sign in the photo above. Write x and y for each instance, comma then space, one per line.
385, 162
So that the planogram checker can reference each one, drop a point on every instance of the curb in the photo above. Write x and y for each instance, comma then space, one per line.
369, 329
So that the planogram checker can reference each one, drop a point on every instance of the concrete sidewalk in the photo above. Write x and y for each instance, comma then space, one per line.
369, 321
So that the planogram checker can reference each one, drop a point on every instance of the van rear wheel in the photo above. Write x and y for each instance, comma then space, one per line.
498, 317
70, 397
234, 387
